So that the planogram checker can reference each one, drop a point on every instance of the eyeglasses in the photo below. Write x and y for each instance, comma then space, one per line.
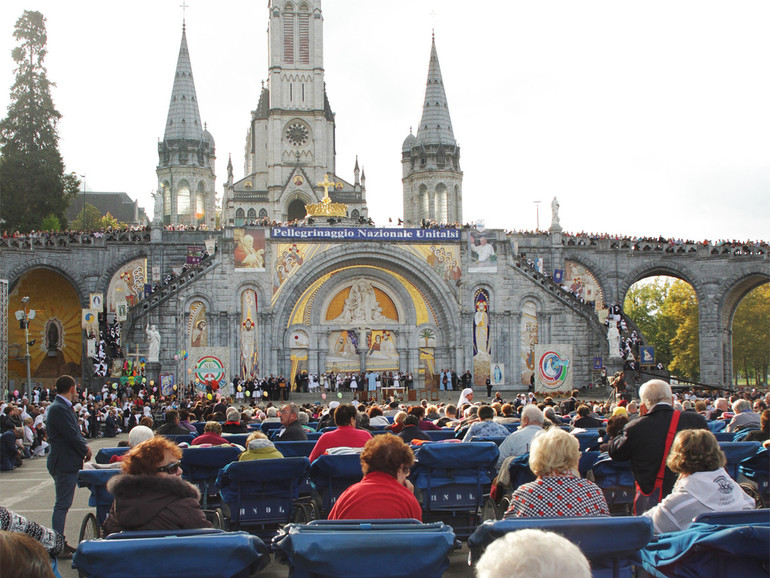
171, 468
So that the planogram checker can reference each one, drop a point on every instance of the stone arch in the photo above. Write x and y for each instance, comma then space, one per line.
433, 290
599, 274
441, 203
251, 215
654, 269
296, 209
263, 213
77, 281
240, 217
103, 283
183, 198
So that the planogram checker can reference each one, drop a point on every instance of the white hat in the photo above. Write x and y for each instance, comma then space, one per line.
333, 404
139, 434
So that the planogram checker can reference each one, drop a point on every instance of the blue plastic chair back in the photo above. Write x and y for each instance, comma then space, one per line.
312, 425
616, 481
717, 425
365, 548
239, 439
494, 439
331, 475
199, 426
172, 554
587, 439
519, 472
313, 435
261, 493
295, 449
512, 427
200, 466
707, 551
587, 461
741, 435
267, 427
104, 455
611, 544
180, 438
100, 498
437, 435
736, 452
757, 469
738, 518
723, 436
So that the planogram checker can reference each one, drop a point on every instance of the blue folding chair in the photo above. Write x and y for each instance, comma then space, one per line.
736, 452
239, 439
313, 435
587, 461
741, 435
716, 425
438, 435
199, 426
269, 426
263, 495
757, 469
104, 455
588, 439
172, 554
200, 466
737, 518
512, 427
452, 480
365, 548
723, 436
611, 544
331, 475
180, 438
294, 449
706, 550
494, 439
100, 498
617, 483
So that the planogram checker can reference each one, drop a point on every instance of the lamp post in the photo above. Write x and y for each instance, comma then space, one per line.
83, 222
24, 317
537, 210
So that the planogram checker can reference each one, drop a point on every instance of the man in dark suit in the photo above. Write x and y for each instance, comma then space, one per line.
643, 440
68, 449
292, 430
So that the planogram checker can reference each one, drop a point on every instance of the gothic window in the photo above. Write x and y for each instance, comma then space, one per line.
183, 199
355, 214
424, 202
166, 198
239, 218
441, 203
200, 203
304, 34
263, 213
252, 214
297, 134
297, 210
288, 34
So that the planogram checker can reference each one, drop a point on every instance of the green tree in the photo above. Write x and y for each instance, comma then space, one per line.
51, 223
108, 221
31, 167
92, 221
666, 312
751, 336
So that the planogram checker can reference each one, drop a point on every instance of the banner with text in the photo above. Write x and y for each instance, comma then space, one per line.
364, 234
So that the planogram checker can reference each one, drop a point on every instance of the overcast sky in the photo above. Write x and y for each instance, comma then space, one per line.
643, 118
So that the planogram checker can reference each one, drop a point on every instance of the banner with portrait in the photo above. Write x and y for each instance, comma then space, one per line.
249, 252
553, 369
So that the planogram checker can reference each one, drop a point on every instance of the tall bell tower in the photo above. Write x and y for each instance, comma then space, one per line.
430, 161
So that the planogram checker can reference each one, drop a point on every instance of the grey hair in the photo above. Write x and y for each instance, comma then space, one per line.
655, 391
532, 413
741, 405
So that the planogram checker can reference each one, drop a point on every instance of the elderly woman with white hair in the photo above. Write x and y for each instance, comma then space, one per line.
744, 418
558, 490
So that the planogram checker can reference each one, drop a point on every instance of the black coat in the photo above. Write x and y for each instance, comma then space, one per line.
643, 440
68, 446
294, 432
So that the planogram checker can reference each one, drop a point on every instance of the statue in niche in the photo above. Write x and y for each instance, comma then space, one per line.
613, 339
157, 197
481, 321
361, 304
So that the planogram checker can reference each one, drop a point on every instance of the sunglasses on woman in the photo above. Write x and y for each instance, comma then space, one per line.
171, 468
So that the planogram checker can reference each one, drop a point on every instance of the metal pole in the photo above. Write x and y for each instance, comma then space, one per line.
84, 203
27, 356
537, 209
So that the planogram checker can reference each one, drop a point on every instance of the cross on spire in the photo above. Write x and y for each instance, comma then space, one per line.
184, 7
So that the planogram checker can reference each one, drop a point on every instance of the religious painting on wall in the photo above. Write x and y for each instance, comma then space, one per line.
553, 374
528, 334
249, 253
579, 281
127, 284
443, 259
381, 354
342, 353
197, 325
249, 362
288, 259
481, 245
481, 338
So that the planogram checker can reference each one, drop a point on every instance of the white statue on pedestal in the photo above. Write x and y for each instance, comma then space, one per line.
153, 336
554, 212
157, 196
613, 338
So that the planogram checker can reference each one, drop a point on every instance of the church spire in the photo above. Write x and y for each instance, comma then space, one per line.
184, 119
435, 126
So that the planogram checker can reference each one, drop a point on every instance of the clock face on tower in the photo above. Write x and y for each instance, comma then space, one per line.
297, 134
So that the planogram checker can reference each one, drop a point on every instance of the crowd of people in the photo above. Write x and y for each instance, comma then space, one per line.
150, 493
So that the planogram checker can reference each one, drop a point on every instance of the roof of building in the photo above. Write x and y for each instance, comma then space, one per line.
436, 125
119, 205
184, 119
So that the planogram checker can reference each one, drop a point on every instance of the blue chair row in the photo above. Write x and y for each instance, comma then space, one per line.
100, 498
611, 544
736, 452
716, 545
200, 466
206, 553
365, 548
104, 455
